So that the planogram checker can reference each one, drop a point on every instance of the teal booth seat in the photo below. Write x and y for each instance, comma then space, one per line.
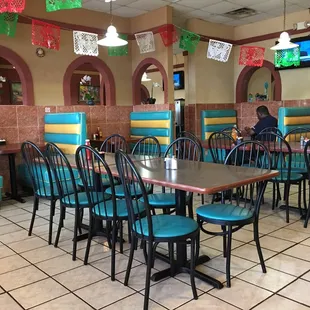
1, 187
216, 120
68, 131
158, 124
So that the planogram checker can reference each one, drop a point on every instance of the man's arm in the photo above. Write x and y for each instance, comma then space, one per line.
249, 131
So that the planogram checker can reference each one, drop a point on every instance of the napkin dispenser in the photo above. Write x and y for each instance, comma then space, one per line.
171, 163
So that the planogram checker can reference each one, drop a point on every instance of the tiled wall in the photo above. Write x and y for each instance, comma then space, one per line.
246, 111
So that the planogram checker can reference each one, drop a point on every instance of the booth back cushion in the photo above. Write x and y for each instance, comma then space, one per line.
290, 118
66, 130
158, 124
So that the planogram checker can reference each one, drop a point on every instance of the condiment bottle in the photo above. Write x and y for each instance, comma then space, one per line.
234, 133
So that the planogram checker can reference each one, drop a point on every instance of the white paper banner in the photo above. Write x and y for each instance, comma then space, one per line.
85, 43
145, 41
219, 50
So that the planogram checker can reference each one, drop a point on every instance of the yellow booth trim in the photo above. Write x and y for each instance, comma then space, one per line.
161, 140
297, 120
150, 124
63, 128
220, 120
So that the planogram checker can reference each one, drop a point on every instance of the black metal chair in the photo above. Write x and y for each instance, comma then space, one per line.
275, 130
307, 161
243, 205
220, 144
228, 130
154, 229
66, 183
281, 159
113, 143
110, 209
43, 184
148, 146
185, 149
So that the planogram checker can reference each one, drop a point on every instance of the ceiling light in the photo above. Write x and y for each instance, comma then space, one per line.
145, 78
109, 0
284, 41
111, 37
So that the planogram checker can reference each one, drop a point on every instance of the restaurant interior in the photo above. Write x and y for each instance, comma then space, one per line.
154, 154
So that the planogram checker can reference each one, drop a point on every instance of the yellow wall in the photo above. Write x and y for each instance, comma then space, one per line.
295, 83
257, 82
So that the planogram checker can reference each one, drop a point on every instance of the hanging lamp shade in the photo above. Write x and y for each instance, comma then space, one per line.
284, 42
112, 38
145, 78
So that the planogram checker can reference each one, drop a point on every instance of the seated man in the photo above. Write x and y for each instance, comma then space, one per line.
265, 120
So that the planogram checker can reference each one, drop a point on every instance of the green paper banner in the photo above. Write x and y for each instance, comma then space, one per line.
189, 41
119, 50
8, 23
55, 5
287, 58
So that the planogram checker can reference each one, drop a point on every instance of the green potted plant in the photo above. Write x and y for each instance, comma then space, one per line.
88, 95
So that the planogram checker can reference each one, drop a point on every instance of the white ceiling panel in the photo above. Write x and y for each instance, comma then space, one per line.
209, 10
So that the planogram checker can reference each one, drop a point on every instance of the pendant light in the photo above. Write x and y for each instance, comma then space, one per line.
111, 37
284, 40
145, 78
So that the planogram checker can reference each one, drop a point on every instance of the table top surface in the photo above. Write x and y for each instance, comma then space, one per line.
14, 148
198, 177
295, 146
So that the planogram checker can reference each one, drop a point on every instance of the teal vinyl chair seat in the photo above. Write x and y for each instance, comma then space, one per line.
119, 191
162, 199
224, 212
167, 226
284, 176
82, 198
121, 209
47, 192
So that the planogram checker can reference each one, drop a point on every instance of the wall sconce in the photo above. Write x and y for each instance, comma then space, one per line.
40, 52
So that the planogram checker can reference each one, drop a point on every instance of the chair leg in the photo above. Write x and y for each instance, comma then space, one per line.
224, 241
259, 250
202, 199
273, 196
171, 257
192, 265
307, 216
114, 237
35, 208
60, 224
228, 254
76, 224
197, 247
287, 194
89, 239
130, 259
305, 193
190, 208
50, 229
299, 197
121, 244
148, 276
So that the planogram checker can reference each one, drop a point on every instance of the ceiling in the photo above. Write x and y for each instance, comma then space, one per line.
209, 10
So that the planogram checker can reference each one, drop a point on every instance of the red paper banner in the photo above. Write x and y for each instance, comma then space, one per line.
45, 35
168, 34
12, 6
252, 56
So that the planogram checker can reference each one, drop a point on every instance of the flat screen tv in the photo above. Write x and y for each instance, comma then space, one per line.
304, 46
178, 80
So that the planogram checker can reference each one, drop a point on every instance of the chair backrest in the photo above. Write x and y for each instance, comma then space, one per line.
192, 136
67, 130
307, 157
92, 173
293, 117
133, 191
63, 173
250, 154
295, 134
267, 130
220, 144
216, 120
147, 146
113, 143
184, 148
38, 169
158, 124
281, 153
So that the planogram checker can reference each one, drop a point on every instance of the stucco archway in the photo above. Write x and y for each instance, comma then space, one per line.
244, 78
107, 83
137, 75
23, 71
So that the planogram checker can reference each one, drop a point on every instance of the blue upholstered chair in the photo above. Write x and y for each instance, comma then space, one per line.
153, 228
185, 149
113, 211
243, 204
66, 182
281, 159
43, 185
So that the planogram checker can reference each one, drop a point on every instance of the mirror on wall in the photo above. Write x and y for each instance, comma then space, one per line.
11, 92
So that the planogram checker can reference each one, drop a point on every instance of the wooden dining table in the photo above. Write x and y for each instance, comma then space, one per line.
195, 177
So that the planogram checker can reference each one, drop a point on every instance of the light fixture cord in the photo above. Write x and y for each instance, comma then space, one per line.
284, 13
112, 15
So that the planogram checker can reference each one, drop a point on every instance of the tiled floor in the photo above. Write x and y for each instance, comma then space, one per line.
36, 276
